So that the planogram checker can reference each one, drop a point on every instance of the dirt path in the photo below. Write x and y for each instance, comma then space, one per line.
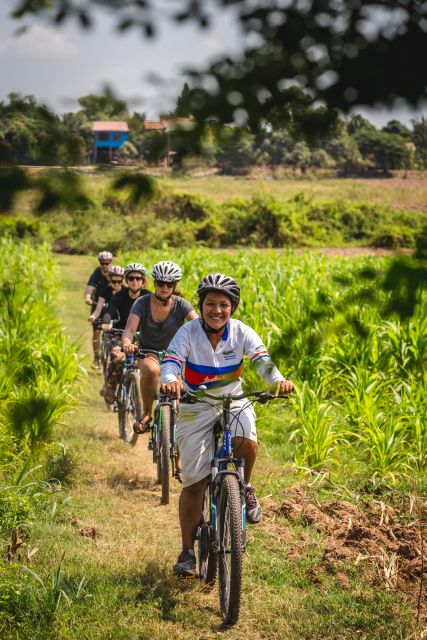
118, 535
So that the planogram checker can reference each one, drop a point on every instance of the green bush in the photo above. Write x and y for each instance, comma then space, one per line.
61, 465
118, 221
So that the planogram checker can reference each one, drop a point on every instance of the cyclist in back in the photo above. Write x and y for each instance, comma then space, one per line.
210, 352
120, 306
115, 276
159, 316
97, 281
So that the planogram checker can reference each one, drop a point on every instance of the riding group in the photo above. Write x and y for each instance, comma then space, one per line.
205, 348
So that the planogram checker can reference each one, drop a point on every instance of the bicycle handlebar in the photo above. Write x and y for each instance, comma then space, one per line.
115, 332
260, 396
143, 353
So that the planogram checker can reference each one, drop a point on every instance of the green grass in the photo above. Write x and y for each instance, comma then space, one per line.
128, 591
226, 212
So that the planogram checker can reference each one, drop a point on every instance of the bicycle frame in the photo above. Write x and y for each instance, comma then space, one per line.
220, 467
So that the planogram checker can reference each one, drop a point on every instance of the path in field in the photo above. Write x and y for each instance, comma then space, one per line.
125, 542
120, 526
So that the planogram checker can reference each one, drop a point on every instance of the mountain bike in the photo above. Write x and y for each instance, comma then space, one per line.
128, 399
108, 342
221, 534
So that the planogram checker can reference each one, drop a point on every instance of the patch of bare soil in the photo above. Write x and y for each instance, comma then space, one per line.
387, 544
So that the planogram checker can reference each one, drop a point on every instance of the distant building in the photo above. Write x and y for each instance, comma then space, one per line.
109, 135
169, 125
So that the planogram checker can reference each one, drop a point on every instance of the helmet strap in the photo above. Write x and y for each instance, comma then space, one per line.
163, 300
211, 330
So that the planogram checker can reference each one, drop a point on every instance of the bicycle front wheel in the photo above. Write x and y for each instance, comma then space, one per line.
230, 559
165, 461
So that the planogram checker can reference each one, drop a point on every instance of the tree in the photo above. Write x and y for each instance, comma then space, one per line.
183, 103
385, 150
419, 138
358, 122
106, 106
363, 52
394, 126
236, 152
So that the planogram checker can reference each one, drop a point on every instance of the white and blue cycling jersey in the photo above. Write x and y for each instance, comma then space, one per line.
191, 354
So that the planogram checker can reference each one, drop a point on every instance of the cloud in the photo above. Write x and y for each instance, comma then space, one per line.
40, 42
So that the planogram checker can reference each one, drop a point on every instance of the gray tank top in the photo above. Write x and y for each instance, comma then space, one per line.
157, 335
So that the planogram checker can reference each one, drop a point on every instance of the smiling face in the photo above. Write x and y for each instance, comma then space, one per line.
216, 309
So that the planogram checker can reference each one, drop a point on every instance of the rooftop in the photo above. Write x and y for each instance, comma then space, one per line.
110, 125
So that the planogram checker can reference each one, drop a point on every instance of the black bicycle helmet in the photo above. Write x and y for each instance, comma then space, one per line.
221, 284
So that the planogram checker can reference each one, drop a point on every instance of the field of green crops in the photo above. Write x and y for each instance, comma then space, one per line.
356, 428
361, 407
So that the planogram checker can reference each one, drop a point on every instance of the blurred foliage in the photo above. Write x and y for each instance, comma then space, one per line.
345, 53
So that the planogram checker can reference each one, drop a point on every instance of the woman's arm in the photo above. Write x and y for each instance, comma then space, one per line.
130, 330
191, 316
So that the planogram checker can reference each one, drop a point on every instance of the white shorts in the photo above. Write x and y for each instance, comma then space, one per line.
194, 434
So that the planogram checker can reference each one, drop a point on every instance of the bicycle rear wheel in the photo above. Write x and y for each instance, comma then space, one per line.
230, 559
208, 560
165, 442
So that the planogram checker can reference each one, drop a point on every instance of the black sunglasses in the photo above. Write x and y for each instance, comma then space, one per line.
134, 278
162, 283
117, 281
104, 264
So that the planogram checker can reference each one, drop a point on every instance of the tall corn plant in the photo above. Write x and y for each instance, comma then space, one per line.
317, 435
40, 366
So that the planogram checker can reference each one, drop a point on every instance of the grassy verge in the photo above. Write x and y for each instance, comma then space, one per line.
102, 568
223, 212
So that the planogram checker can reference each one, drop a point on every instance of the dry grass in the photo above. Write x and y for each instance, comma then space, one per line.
397, 192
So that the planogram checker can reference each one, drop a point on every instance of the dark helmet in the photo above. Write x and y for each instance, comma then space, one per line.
222, 284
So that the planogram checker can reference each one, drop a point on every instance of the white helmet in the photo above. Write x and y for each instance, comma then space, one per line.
115, 270
135, 266
105, 255
167, 271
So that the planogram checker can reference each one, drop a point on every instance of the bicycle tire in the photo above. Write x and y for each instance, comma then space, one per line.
133, 407
230, 557
165, 446
208, 560
105, 361
121, 411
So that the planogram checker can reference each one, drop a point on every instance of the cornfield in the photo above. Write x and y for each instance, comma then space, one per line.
38, 364
360, 372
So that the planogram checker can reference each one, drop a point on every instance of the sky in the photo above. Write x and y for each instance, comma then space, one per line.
60, 65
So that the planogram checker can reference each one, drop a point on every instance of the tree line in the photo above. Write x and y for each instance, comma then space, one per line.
32, 133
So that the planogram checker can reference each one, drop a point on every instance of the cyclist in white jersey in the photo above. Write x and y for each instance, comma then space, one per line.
210, 351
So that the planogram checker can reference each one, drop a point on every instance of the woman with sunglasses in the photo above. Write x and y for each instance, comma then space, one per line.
115, 277
120, 306
97, 281
158, 316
